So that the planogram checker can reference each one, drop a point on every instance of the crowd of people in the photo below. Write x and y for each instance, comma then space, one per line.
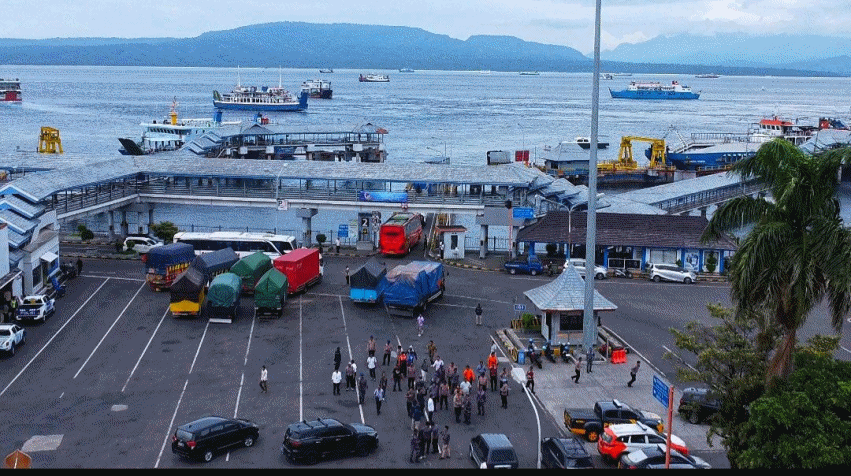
430, 387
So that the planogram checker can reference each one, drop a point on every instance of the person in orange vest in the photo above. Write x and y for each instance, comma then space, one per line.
493, 365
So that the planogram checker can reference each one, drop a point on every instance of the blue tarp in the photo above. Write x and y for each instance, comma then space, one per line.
410, 284
161, 257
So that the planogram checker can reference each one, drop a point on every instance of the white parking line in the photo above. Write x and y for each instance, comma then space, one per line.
109, 330
349, 347
179, 400
53, 337
145, 350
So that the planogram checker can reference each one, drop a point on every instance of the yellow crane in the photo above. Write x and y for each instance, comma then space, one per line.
626, 162
49, 141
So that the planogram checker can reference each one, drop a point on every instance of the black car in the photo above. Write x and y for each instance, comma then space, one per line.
493, 450
697, 405
654, 458
310, 441
564, 453
202, 439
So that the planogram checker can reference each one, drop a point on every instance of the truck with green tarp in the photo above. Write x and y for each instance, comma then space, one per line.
223, 297
250, 269
270, 294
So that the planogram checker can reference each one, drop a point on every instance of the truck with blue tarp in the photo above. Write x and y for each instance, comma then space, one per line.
215, 263
165, 263
363, 283
407, 289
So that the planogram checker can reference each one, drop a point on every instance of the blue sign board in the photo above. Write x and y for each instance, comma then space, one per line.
660, 391
343, 231
378, 196
521, 213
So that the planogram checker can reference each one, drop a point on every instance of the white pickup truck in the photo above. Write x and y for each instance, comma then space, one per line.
11, 336
36, 307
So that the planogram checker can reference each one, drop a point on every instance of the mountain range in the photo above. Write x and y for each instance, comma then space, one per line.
798, 52
351, 46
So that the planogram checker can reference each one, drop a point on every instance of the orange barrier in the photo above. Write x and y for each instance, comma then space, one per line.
619, 356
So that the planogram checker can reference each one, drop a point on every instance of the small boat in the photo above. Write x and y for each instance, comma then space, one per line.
655, 90
171, 134
607, 76
10, 90
318, 88
406, 70
709, 76
326, 70
485, 72
585, 143
529, 73
374, 78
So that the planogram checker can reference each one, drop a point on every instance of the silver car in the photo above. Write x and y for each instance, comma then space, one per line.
579, 264
670, 272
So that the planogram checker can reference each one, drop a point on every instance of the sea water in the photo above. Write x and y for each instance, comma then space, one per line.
427, 114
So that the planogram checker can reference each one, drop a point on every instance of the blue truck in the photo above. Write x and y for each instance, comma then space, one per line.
408, 288
364, 282
532, 265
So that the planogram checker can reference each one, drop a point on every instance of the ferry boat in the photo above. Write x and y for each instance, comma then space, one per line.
326, 70
318, 88
529, 73
655, 90
708, 76
10, 90
710, 151
406, 70
374, 78
171, 134
260, 99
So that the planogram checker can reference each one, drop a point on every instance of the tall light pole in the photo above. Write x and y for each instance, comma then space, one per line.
589, 323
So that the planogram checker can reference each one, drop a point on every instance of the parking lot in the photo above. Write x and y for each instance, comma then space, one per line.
105, 381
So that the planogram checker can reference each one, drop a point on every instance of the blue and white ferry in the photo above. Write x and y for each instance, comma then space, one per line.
655, 90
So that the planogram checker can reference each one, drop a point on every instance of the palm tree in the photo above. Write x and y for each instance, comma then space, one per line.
798, 251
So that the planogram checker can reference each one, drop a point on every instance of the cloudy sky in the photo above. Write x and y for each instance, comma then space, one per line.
560, 22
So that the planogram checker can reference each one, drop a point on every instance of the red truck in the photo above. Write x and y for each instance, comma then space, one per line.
301, 266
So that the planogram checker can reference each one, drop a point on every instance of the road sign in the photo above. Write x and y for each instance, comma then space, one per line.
283, 205
660, 391
519, 307
522, 213
343, 231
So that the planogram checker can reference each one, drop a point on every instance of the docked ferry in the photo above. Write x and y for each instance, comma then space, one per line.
318, 88
171, 134
655, 90
10, 90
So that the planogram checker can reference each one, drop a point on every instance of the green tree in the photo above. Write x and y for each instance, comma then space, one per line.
726, 358
805, 421
798, 252
164, 230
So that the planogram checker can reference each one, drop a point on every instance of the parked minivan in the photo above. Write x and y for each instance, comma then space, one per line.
493, 450
670, 272
140, 244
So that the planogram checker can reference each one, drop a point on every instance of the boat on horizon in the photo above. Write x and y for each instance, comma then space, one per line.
10, 90
171, 134
709, 76
655, 90
406, 70
374, 78
326, 70
529, 73
318, 88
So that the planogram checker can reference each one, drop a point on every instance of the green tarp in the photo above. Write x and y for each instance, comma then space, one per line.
224, 290
251, 268
271, 290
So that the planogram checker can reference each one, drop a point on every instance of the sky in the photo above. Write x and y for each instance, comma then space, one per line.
558, 22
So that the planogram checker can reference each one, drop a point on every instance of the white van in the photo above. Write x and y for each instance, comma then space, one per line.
670, 272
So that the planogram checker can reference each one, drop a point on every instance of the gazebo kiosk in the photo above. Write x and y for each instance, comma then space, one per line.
562, 303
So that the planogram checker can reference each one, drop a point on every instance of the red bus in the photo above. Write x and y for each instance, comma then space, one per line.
401, 232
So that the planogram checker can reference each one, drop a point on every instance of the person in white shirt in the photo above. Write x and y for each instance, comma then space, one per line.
264, 379
336, 378
371, 362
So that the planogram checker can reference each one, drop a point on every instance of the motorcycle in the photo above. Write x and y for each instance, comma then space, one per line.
565, 352
534, 357
59, 289
548, 352
68, 270
623, 273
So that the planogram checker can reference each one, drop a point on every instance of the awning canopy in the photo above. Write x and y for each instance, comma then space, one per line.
49, 257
